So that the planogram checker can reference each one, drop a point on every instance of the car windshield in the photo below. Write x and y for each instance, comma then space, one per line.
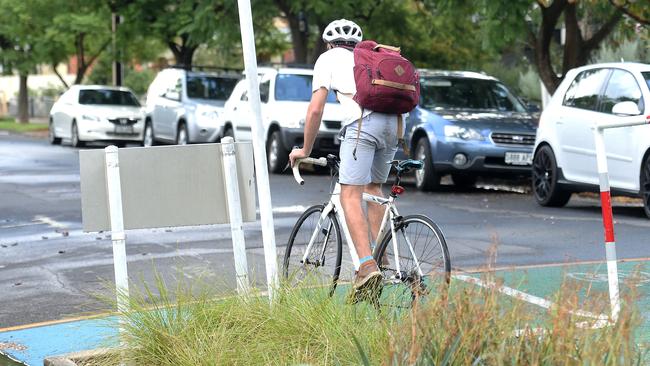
438, 93
297, 88
108, 97
210, 87
646, 76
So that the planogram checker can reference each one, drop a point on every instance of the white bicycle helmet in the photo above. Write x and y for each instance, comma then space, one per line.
342, 30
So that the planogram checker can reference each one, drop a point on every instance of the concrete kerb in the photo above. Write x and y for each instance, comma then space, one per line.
72, 359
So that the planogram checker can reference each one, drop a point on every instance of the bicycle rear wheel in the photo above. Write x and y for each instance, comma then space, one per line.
322, 264
423, 260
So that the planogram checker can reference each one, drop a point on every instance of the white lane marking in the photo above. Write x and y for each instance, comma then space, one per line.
526, 297
49, 221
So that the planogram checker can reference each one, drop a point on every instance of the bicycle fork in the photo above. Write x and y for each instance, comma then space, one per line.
319, 230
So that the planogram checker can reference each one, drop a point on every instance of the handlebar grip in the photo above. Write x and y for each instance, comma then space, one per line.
296, 167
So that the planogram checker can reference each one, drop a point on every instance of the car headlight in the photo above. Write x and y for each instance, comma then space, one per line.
89, 117
296, 123
463, 133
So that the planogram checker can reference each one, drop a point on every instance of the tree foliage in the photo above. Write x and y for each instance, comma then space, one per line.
534, 24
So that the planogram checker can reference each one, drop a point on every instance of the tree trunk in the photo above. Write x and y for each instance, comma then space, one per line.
298, 39
23, 100
183, 55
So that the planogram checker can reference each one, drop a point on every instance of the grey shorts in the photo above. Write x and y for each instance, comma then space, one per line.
377, 146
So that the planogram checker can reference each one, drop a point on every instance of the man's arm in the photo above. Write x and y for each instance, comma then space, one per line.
312, 124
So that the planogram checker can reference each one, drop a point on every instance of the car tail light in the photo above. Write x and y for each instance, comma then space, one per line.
397, 190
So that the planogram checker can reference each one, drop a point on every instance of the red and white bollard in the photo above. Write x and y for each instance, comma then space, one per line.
608, 223
606, 204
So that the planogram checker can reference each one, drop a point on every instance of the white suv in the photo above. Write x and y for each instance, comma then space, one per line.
565, 157
285, 94
183, 106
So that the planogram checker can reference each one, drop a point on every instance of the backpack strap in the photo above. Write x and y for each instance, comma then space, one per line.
354, 152
400, 135
390, 48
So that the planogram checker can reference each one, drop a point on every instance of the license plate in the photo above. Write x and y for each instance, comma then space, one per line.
518, 158
124, 130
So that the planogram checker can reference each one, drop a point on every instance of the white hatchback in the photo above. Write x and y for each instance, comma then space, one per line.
564, 155
86, 113
285, 94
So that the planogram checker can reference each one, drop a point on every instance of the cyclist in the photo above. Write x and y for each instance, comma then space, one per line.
365, 157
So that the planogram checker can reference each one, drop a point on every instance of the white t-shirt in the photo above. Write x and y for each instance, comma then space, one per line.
334, 71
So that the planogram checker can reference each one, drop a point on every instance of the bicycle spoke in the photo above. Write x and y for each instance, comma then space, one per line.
318, 263
420, 244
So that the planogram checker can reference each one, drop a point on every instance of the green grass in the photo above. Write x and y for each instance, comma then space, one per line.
9, 124
466, 326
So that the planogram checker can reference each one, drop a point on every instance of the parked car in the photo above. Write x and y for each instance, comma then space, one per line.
565, 157
86, 113
285, 94
468, 125
183, 106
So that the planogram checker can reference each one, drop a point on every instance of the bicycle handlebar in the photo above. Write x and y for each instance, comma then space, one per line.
313, 161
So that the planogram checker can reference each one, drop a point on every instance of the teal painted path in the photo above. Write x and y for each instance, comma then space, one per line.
545, 282
32, 344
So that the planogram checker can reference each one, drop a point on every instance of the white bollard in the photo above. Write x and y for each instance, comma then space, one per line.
118, 237
229, 162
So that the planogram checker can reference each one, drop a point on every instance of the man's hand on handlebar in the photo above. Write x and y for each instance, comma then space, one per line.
297, 153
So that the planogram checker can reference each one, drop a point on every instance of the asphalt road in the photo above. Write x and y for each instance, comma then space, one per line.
50, 269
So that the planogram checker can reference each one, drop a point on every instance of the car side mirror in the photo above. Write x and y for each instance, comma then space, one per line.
628, 108
171, 94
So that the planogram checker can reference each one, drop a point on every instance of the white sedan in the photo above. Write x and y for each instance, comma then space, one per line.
86, 113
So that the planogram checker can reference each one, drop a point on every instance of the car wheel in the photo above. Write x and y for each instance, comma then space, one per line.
74, 136
546, 189
426, 179
148, 139
645, 185
463, 180
276, 154
181, 135
51, 135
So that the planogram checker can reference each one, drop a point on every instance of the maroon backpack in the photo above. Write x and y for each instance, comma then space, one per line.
386, 82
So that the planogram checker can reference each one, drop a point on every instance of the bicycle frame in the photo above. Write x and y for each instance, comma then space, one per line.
387, 223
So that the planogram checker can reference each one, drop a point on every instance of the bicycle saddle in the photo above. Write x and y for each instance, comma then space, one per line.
408, 165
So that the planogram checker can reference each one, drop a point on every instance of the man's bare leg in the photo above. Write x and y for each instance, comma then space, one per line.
375, 210
351, 198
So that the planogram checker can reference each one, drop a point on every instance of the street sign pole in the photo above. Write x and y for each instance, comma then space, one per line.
259, 151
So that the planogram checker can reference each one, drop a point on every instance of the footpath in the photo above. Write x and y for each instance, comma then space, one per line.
33, 343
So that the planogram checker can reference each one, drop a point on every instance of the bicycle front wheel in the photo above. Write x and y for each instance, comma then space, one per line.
424, 264
313, 254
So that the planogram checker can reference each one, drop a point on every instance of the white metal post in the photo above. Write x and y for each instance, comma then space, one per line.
263, 187
229, 162
118, 236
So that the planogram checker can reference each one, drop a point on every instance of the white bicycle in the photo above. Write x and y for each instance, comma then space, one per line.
411, 252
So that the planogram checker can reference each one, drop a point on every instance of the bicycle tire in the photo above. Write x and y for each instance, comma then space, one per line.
293, 269
410, 285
